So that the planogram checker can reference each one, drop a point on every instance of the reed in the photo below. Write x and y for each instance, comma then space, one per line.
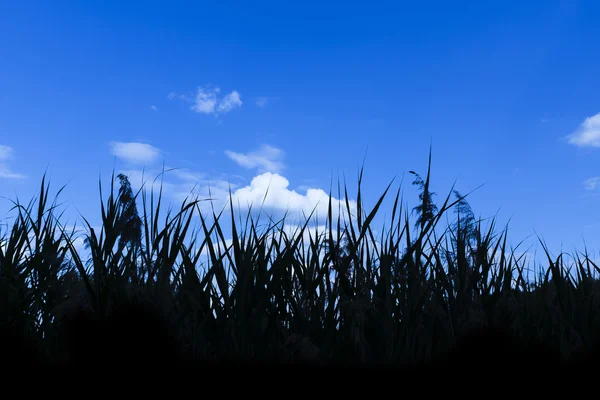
340, 295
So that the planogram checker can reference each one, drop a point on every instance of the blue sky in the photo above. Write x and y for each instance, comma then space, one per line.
506, 92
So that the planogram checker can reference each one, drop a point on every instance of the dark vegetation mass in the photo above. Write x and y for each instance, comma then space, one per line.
160, 290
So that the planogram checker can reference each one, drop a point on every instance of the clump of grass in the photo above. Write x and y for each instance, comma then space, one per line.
339, 295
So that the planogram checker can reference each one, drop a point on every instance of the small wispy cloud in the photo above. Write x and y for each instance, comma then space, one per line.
265, 159
587, 134
261, 102
173, 96
229, 102
592, 183
207, 100
6, 154
183, 184
154, 108
134, 152
186, 175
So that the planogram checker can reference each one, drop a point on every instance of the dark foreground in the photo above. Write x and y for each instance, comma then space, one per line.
135, 337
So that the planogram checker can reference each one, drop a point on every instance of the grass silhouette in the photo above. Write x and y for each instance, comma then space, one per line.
420, 294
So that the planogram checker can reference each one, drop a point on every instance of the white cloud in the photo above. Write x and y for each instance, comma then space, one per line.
592, 183
261, 102
135, 153
588, 133
173, 96
8, 174
207, 100
154, 108
273, 189
229, 102
6, 154
266, 159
